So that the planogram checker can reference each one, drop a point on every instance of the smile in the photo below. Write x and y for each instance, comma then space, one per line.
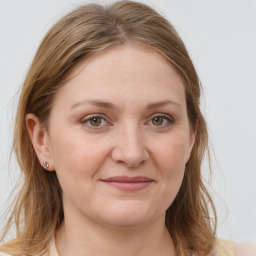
125, 183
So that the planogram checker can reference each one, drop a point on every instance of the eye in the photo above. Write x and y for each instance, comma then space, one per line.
94, 122
157, 120
161, 121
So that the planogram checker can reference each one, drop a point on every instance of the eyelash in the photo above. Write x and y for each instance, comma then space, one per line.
168, 121
87, 120
166, 118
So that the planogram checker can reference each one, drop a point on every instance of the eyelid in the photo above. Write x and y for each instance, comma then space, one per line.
87, 118
164, 115
167, 117
170, 120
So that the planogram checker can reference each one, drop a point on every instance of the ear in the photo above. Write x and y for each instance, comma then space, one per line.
40, 140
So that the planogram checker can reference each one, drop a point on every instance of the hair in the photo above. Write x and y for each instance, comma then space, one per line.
87, 30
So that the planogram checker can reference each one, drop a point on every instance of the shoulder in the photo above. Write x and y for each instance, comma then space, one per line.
4, 254
225, 247
229, 248
245, 249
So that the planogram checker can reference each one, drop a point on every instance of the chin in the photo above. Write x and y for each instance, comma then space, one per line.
128, 215
126, 221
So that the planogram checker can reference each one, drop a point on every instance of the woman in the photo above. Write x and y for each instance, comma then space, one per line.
110, 137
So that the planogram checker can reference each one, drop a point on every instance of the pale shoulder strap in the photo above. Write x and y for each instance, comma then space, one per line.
4, 254
225, 247
52, 250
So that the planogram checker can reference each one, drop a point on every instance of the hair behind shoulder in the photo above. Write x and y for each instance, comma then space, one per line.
85, 31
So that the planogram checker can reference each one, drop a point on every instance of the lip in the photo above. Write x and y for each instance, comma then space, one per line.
126, 183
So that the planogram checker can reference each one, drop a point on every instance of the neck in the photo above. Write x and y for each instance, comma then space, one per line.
88, 238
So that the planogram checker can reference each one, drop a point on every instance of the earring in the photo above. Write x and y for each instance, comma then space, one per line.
45, 164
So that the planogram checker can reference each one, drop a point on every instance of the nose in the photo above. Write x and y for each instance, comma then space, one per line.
130, 147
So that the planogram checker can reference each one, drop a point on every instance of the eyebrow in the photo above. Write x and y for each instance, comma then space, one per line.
162, 103
109, 105
96, 103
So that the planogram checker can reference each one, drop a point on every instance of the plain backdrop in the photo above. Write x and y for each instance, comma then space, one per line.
221, 38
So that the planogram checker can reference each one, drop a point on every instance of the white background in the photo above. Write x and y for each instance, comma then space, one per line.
221, 38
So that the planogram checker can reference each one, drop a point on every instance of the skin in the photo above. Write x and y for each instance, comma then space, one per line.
100, 219
245, 249
140, 128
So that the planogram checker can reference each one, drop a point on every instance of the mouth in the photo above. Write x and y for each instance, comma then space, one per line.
126, 183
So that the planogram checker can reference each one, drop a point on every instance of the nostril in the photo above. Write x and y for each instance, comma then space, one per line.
133, 165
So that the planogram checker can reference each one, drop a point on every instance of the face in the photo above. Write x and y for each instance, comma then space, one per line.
119, 137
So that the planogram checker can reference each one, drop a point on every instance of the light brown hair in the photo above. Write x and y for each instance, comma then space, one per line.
37, 210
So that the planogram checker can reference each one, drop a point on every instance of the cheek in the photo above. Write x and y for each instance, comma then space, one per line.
77, 157
172, 152
77, 161
74, 148
170, 157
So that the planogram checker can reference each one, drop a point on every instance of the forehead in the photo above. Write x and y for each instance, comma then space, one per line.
123, 73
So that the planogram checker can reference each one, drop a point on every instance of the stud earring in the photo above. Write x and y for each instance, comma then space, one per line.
45, 164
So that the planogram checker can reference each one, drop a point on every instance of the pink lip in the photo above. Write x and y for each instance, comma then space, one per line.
126, 183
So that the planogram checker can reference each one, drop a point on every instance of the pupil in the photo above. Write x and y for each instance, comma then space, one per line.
157, 120
95, 121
